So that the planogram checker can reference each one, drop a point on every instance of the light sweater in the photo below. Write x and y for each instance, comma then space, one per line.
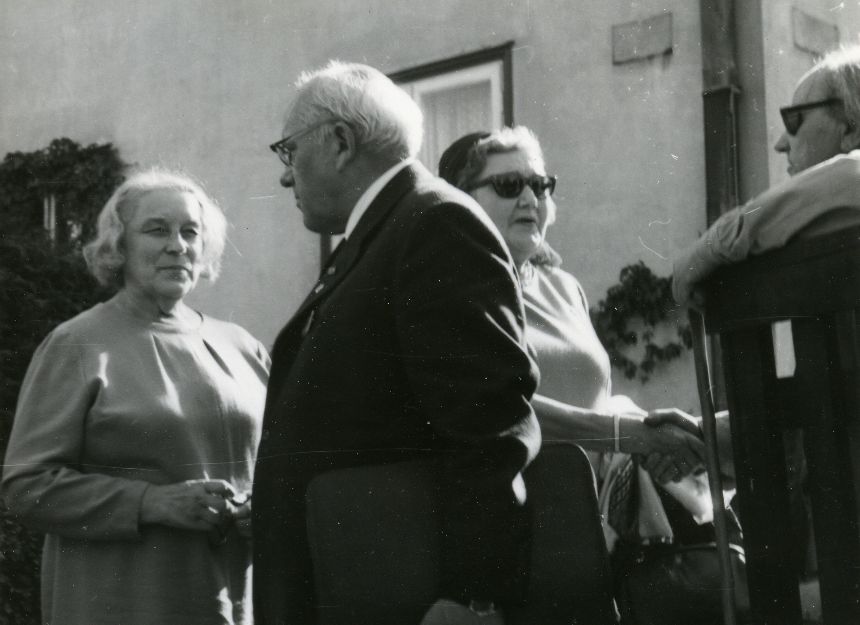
574, 366
819, 200
111, 403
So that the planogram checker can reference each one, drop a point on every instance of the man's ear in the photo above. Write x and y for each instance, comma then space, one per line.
851, 137
345, 145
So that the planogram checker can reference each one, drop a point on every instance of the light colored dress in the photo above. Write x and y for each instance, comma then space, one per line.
574, 366
575, 369
112, 403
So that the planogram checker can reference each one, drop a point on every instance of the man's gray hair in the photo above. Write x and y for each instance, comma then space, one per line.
385, 120
841, 72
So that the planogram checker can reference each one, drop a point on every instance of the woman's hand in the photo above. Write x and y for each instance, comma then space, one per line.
673, 416
193, 505
671, 445
242, 516
693, 425
665, 468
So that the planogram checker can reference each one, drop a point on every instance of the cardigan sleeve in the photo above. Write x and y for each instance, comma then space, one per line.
45, 484
771, 219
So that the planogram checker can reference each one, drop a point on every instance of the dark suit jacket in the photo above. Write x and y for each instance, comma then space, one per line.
412, 343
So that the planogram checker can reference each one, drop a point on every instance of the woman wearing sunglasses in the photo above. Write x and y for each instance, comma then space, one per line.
505, 172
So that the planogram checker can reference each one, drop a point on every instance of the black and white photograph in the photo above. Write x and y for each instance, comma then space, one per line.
430, 312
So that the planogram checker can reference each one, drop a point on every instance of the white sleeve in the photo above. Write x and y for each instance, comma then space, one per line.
770, 220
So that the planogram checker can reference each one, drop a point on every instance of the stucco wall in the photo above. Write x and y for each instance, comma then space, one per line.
198, 85
203, 84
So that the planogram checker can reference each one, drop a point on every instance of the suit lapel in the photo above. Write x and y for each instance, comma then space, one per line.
349, 251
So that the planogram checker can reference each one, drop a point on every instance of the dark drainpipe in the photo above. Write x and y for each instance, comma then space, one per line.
720, 92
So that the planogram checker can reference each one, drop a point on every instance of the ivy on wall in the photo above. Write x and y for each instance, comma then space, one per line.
639, 299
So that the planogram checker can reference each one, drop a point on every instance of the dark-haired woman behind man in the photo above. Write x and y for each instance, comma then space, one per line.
505, 172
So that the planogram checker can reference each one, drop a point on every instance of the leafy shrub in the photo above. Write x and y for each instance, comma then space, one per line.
38, 290
42, 283
19, 573
80, 179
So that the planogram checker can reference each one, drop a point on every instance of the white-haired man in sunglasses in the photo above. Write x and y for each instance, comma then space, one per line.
821, 141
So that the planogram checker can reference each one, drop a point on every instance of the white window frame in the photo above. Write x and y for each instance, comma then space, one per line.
492, 71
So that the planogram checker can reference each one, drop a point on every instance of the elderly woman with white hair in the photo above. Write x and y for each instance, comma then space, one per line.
136, 430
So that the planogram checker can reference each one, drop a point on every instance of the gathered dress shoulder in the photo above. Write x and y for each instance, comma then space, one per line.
111, 404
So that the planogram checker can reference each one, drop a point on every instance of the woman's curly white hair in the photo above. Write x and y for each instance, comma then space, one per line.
105, 253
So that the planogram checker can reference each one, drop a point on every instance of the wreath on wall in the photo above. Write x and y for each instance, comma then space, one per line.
639, 295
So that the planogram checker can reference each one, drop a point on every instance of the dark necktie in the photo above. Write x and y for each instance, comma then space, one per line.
328, 271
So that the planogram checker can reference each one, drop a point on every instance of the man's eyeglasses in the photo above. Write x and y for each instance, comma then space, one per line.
792, 116
286, 153
511, 185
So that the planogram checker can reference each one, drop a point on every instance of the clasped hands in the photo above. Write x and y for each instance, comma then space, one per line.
672, 445
206, 505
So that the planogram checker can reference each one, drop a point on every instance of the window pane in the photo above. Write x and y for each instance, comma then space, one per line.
452, 112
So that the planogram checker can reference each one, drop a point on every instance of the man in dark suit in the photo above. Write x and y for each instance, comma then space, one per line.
411, 344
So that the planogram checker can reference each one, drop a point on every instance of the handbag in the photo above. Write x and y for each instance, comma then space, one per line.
665, 562
669, 584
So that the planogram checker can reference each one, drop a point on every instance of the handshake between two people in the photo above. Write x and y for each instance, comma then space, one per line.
673, 446
212, 506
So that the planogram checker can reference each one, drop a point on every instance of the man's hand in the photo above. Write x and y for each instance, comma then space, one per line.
673, 443
673, 416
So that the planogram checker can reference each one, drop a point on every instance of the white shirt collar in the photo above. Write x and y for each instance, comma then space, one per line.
370, 194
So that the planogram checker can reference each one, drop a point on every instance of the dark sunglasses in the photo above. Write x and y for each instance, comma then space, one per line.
511, 185
792, 116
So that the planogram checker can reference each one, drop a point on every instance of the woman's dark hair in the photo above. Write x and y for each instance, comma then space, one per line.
465, 159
